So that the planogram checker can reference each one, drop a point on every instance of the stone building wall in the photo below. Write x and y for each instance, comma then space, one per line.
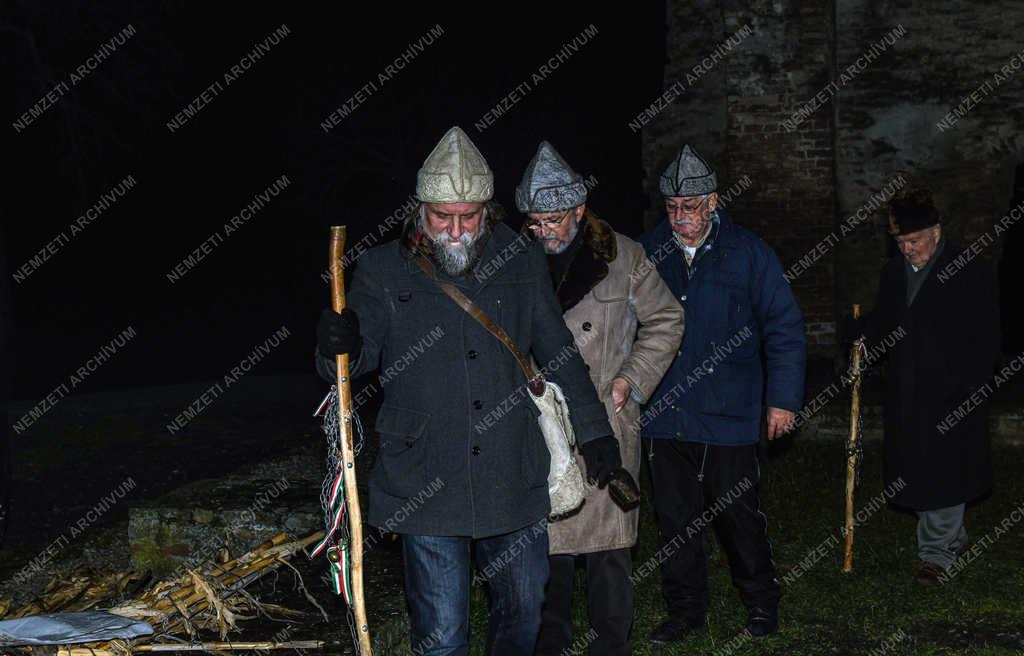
911, 114
826, 109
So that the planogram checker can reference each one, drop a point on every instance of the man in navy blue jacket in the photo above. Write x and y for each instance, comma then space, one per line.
701, 428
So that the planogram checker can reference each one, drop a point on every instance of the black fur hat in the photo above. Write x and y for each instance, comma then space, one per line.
912, 210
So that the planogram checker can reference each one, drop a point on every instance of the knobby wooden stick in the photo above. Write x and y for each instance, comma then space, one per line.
230, 646
348, 457
851, 450
202, 646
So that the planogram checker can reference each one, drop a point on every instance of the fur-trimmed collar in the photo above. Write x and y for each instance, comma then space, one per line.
589, 265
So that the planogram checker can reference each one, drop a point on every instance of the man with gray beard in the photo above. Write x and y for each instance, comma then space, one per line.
458, 410
627, 325
453, 255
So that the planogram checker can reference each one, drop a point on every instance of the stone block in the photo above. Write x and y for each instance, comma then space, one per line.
192, 524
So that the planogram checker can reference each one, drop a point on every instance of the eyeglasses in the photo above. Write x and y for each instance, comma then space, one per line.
547, 223
686, 208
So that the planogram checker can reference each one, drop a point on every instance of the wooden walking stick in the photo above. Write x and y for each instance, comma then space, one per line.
852, 446
348, 457
211, 647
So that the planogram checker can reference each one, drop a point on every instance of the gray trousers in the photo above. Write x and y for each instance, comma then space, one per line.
940, 533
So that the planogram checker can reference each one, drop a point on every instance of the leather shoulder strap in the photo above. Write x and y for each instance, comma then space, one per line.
534, 380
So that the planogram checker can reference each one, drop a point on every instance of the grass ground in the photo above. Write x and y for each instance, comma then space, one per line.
877, 608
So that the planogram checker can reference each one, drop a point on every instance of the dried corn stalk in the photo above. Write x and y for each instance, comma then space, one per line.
210, 596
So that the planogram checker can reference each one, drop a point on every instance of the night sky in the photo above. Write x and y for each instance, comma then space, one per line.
115, 272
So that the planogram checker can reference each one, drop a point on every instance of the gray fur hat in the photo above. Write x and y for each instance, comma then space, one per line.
549, 183
688, 175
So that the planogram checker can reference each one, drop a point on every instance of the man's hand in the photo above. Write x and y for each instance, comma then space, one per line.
780, 422
337, 334
602, 458
620, 393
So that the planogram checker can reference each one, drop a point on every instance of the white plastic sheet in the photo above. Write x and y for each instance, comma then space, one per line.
70, 628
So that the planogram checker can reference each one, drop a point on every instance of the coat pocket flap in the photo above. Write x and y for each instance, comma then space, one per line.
395, 420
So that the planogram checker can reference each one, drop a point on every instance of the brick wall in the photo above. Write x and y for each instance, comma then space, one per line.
791, 203
888, 116
823, 106
697, 115
735, 117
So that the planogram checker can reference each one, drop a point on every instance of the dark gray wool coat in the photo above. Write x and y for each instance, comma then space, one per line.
461, 452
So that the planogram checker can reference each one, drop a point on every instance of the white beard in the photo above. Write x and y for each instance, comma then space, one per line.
455, 257
562, 245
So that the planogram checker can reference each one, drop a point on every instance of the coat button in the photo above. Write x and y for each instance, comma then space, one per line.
408, 441
710, 370
586, 325
471, 355
476, 450
477, 404
683, 297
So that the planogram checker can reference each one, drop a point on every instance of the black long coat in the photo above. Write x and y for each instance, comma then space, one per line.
461, 453
941, 353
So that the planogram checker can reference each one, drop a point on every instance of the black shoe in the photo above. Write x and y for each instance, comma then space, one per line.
762, 621
931, 573
675, 629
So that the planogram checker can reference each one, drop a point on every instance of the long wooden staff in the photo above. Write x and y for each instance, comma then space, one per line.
851, 447
228, 646
348, 456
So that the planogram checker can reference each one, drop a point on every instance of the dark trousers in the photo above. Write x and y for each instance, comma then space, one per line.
696, 485
609, 605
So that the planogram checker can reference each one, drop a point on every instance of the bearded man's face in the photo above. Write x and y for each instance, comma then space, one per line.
454, 229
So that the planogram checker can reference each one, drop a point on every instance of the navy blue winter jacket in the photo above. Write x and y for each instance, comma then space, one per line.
741, 319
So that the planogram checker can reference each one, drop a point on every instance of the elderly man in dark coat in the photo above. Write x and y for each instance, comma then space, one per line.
702, 426
456, 410
942, 307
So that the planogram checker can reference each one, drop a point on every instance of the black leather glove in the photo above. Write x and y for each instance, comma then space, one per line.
337, 334
602, 458
623, 489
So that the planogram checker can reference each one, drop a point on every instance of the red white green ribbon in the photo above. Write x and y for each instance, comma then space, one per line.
338, 551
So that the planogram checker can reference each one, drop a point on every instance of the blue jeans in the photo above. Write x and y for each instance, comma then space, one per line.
437, 585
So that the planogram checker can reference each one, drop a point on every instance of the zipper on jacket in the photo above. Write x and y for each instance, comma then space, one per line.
700, 473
